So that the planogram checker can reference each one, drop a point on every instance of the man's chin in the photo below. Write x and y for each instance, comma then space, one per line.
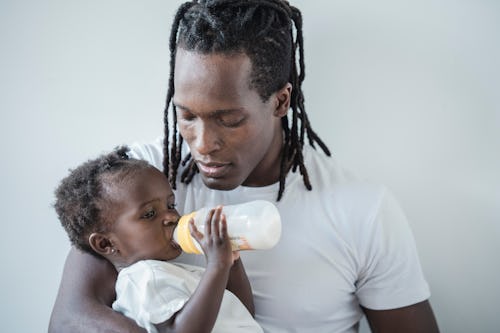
219, 184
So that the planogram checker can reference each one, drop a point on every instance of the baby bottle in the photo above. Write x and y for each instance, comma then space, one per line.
254, 225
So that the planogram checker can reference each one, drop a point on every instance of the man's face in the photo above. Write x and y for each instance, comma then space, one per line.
234, 137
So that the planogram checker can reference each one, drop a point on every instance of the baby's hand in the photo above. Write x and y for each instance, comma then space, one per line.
215, 242
236, 255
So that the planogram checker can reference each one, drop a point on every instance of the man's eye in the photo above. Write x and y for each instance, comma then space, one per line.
232, 122
149, 214
187, 116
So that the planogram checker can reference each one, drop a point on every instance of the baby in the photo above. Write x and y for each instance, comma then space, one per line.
123, 210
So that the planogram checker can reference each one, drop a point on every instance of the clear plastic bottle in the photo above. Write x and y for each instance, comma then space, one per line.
254, 225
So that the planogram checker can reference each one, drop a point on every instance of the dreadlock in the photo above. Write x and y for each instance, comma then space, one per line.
81, 197
261, 29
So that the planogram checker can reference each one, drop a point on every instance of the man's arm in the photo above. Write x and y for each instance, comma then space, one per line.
416, 318
86, 292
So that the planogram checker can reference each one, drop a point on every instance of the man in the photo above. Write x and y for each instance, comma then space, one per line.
235, 96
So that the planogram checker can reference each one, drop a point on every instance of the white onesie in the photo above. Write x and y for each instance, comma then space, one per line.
151, 291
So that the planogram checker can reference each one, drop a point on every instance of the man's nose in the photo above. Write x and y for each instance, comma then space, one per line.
206, 139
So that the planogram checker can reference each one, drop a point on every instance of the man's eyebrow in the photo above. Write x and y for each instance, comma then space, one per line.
180, 106
212, 113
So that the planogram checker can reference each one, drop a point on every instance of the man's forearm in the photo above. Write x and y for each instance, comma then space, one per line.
86, 292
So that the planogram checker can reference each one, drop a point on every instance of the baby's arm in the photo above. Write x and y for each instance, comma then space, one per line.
239, 285
201, 310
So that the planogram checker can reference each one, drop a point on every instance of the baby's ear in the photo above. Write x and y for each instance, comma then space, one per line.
101, 244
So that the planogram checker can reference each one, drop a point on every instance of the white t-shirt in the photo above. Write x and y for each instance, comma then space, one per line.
151, 291
344, 244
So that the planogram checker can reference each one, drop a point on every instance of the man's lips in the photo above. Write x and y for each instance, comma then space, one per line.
213, 169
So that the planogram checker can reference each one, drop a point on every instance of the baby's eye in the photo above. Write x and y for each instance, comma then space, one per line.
149, 214
171, 205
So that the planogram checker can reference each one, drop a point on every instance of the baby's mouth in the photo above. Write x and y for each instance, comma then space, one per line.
174, 244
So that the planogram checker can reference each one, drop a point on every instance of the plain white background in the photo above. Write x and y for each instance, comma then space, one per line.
405, 93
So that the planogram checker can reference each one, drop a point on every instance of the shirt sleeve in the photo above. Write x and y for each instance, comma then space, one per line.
149, 295
151, 152
391, 275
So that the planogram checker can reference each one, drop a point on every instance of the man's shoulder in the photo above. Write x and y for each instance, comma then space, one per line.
149, 151
340, 185
328, 170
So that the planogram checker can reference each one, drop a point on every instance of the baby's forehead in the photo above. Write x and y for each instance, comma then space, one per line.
127, 178
133, 175
131, 189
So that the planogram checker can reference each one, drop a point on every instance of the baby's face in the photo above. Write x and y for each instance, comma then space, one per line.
144, 218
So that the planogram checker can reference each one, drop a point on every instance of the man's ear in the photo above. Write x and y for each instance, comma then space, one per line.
283, 97
101, 244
